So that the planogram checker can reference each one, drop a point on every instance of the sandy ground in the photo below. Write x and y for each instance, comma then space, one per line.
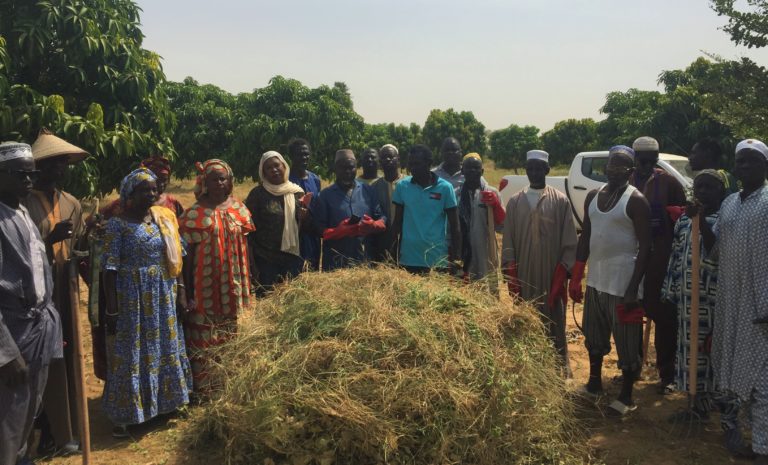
643, 437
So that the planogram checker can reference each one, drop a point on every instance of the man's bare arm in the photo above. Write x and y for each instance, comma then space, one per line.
640, 213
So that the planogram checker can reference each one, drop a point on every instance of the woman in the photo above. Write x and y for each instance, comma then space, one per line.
276, 206
217, 265
147, 368
708, 191
161, 168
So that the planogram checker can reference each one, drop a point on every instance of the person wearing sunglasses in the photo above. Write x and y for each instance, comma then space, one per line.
59, 218
30, 330
662, 190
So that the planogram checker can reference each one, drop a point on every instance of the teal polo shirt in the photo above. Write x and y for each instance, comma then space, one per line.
423, 241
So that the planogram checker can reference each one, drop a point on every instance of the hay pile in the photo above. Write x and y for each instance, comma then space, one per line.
378, 366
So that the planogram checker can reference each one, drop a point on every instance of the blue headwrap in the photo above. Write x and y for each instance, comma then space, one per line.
621, 149
133, 179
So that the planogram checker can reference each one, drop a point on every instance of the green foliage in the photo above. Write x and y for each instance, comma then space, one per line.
205, 116
78, 68
748, 28
730, 94
399, 135
268, 118
509, 145
449, 123
568, 138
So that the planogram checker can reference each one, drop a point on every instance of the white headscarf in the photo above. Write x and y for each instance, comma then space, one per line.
287, 190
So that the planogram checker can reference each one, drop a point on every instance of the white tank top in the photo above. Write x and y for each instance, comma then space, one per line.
613, 247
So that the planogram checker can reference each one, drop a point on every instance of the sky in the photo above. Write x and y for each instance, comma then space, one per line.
525, 62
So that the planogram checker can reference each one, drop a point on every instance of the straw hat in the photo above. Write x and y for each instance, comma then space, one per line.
48, 146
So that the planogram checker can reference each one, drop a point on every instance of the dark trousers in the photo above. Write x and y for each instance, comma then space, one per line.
664, 316
271, 272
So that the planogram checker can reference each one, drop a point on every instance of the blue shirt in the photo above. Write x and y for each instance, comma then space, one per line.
423, 241
309, 244
334, 205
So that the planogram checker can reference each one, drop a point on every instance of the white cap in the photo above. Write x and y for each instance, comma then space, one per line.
13, 150
645, 144
537, 155
753, 144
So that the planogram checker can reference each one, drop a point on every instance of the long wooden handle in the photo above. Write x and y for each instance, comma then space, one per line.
79, 364
693, 352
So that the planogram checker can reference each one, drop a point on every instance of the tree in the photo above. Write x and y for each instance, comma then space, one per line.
509, 145
748, 28
399, 135
449, 123
78, 68
268, 118
205, 116
569, 137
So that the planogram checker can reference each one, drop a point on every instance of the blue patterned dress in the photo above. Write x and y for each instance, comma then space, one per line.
148, 371
677, 290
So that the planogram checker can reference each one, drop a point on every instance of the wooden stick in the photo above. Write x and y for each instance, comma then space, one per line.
693, 351
646, 339
79, 362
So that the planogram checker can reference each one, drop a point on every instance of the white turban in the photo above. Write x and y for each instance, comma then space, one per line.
753, 144
390, 147
537, 155
645, 144
13, 150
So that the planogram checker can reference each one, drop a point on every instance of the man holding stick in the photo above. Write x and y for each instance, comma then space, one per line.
58, 217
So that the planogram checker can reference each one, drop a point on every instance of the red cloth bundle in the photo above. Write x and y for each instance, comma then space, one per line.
632, 316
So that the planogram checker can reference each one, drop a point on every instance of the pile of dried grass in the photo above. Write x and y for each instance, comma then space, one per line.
378, 366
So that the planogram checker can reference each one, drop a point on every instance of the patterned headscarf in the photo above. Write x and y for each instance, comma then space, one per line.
720, 177
129, 183
205, 168
157, 164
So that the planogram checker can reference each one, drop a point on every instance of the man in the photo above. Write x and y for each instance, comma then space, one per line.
347, 212
740, 339
30, 331
616, 240
59, 219
300, 153
706, 154
450, 168
389, 159
369, 162
539, 247
662, 190
425, 206
480, 213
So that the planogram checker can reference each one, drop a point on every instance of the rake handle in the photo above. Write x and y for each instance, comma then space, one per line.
693, 352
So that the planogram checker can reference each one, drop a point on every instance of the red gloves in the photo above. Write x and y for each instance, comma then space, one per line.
557, 290
492, 200
365, 227
368, 226
675, 212
574, 287
344, 229
513, 281
633, 316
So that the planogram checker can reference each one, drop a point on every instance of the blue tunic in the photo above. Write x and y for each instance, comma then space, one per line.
309, 243
148, 371
334, 205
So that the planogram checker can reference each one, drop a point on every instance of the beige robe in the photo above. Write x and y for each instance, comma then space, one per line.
59, 398
538, 240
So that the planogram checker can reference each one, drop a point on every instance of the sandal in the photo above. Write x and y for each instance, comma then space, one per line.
621, 408
664, 389
594, 395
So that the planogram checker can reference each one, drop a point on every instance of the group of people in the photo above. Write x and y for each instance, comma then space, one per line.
169, 281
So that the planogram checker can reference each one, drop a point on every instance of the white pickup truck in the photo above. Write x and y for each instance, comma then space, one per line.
586, 174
